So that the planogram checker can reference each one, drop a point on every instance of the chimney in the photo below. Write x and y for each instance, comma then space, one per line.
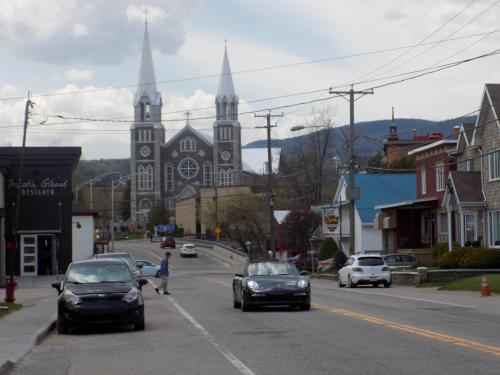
456, 131
414, 133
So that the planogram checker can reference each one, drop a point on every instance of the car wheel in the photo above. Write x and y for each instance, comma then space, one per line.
305, 307
350, 283
196, 255
375, 285
387, 284
340, 282
236, 304
62, 325
140, 326
245, 306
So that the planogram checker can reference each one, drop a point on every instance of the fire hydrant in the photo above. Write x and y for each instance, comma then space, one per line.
10, 287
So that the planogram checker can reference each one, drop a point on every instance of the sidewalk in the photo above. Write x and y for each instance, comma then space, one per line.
22, 330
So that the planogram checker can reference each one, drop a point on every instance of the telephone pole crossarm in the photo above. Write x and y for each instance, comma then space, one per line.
352, 191
270, 181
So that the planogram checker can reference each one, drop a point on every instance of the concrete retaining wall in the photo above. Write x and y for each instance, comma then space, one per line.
234, 258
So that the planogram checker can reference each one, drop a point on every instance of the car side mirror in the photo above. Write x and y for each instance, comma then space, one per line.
142, 282
139, 265
238, 275
56, 285
304, 273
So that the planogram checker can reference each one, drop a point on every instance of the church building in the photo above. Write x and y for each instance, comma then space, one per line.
176, 170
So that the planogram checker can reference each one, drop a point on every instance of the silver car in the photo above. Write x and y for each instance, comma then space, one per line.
148, 269
401, 261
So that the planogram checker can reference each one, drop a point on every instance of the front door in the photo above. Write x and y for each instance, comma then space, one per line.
45, 254
28, 255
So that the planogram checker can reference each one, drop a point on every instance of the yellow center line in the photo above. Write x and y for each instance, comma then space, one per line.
495, 350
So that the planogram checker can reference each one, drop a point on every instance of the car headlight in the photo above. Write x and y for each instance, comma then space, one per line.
252, 284
303, 283
71, 297
131, 296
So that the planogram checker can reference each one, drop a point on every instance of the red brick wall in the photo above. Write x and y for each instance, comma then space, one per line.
430, 164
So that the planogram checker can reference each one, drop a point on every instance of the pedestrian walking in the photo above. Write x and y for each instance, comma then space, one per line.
164, 275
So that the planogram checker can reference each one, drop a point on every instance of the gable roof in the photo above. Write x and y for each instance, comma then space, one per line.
490, 100
382, 188
186, 129
467, 186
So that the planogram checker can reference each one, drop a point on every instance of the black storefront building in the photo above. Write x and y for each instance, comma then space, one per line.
45, 224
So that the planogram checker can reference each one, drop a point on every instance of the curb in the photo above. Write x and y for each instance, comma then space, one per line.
37, 338
324, 277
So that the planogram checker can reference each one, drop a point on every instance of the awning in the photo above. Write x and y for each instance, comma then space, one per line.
402, 204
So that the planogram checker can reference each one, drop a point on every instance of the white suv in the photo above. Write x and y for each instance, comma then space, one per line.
364, 269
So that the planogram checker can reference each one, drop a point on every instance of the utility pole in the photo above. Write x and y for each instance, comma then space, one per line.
270, 193
17, 217
352, 191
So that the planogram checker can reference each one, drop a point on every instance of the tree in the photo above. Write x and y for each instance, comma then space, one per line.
242, 216
299, 226
309, 166
377, 161
329, 249
406, 162
157, 215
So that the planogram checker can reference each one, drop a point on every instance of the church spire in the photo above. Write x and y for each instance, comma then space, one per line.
226, 87
147, 80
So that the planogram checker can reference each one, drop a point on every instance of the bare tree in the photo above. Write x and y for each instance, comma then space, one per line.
310, 164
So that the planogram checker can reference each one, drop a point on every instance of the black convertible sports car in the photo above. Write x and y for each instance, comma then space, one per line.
271, 283
99, 292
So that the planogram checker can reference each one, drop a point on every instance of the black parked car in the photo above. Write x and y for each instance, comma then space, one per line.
99, 292
271, 283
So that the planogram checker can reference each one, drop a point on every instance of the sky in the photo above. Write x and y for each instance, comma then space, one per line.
79, 59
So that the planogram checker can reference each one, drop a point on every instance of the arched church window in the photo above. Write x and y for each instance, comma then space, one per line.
188, 144
149, 177
148, 111
224, 110
141, 178
207, 174
229, 177
142, 112
169, 177
233, 111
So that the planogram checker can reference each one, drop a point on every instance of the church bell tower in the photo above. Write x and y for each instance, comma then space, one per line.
147, 135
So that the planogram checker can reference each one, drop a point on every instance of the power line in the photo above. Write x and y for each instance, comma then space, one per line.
253, 70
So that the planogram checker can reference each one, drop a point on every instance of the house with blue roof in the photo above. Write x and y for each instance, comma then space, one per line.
375, 189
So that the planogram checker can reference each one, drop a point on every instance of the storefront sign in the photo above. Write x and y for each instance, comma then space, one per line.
41, 187
331, 219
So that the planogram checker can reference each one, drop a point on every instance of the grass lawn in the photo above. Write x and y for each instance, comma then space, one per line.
11, 306
474, 284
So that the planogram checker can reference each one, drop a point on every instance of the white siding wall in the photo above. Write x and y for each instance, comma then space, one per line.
83, 238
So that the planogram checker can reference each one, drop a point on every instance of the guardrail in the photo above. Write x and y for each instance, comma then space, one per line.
226, 254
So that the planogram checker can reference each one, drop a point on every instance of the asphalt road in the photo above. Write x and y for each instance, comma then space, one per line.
348, 331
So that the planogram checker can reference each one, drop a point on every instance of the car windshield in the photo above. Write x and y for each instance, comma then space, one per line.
269, 269
371, 261
125, 258
99, 273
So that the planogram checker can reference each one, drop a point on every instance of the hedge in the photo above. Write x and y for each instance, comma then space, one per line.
467, 257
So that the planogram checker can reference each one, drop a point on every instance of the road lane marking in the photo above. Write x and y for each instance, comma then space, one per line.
495, 350
226, 353
395, 296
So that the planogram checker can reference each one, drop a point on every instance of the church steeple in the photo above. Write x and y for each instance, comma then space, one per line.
226, 100
146, 86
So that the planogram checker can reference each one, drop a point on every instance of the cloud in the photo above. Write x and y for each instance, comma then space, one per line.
394, 15
93, 31
78, 74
